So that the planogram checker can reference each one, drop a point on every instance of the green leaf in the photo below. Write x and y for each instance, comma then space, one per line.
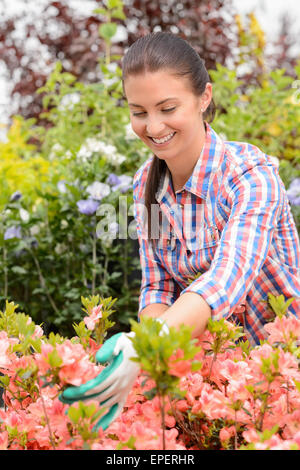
4, 380
18, 270
74, 414
54, 359
108, 30
118, 14
114, 4
101, 11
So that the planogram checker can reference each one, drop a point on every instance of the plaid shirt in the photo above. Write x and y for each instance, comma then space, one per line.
230, 228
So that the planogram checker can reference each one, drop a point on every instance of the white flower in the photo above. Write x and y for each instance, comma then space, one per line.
98, 190
61, 186
63, 224
110, 81
68, 101
55, 150
117, 159
129, 132
24, 214
34, 230
93, 145
60, 248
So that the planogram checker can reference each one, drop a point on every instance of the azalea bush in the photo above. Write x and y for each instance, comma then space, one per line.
213, 392
66, 204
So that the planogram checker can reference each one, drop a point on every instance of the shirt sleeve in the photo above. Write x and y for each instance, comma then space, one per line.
157, 285
256, 201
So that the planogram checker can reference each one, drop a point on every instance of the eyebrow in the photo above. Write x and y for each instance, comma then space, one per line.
157, 104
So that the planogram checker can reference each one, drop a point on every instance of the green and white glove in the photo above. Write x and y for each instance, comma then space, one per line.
112, 386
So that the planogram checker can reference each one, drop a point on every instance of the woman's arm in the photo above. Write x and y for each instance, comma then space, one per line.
190, 308
154, 310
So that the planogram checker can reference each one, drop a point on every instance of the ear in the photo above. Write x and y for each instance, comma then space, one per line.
206, 97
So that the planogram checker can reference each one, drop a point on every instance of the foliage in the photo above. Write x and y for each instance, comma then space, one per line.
56, 245
20, 166
219, 392
209, 26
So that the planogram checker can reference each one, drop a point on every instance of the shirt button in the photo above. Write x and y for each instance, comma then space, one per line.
181, 206
188, 252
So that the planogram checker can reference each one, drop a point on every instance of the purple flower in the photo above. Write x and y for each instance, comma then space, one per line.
12, 232
98, 190
87, 206
123, 184
294, 192
16, 196
113, 179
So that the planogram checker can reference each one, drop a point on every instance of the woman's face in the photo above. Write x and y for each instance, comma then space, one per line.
165, 113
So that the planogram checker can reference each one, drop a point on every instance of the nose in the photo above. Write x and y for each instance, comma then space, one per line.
154, 127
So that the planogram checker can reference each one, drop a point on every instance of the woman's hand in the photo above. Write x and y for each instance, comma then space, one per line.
112, 386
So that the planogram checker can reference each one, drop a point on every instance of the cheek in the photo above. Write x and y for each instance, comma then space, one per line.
137, 127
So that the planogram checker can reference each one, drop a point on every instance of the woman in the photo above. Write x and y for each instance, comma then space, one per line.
213, 211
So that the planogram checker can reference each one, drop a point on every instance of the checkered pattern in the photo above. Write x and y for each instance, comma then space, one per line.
230, 225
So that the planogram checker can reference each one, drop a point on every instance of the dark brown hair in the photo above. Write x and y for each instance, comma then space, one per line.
158, 51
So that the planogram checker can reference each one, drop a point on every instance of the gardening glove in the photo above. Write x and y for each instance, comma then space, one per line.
112, 386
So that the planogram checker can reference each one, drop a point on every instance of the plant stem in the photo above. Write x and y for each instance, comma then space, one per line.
235, 435
162, 409
126, 264
43, 282
264, 408
105, 271
94, 258
5, 272
47, 420
211, 365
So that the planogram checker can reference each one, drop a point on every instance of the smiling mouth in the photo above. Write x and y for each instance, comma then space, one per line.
163, 140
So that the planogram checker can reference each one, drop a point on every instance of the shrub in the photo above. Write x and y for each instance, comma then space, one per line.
222, 393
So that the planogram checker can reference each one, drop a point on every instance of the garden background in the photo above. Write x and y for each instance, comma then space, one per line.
68, 154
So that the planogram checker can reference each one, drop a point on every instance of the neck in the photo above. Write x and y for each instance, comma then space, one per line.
181, 169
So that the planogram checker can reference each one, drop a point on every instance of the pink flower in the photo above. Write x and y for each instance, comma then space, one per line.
93, 318
283, 329
177, 366
38, 332
5, 361
6, 356
3, 440
251, 435
76, 368
226, 433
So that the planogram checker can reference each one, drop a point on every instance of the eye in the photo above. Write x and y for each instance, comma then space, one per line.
138, 114
167, 110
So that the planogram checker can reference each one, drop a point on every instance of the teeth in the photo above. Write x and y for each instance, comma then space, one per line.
165, 139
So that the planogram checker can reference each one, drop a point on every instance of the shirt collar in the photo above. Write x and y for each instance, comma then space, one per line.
209, 161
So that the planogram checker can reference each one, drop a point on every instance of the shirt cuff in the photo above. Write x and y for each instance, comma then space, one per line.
149, 297
214, 294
